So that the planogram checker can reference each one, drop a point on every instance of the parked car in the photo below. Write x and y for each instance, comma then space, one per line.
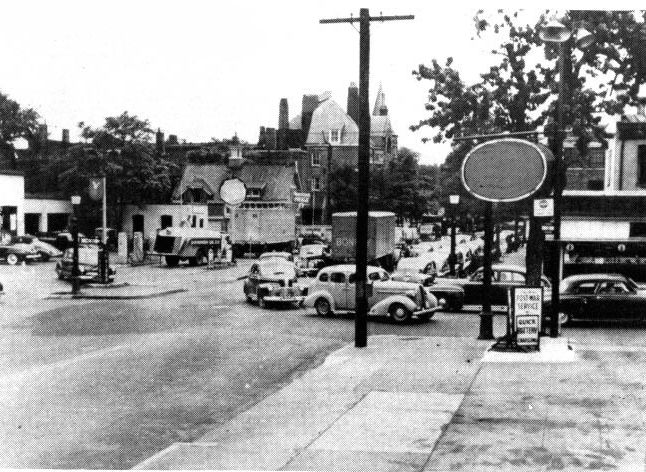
451, 296
88, 264
503, 277
12, 254
272, 280
64, 239
334, 289
45, 250
600, 296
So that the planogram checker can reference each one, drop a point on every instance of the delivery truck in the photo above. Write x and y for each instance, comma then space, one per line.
381, 238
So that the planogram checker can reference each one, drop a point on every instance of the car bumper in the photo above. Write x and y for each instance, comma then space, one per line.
284, 299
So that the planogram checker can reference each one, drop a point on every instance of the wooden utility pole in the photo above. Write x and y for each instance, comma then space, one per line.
361, 317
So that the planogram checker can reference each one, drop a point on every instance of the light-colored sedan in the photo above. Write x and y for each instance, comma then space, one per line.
334, 290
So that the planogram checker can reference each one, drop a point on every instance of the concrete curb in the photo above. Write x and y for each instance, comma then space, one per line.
82, 296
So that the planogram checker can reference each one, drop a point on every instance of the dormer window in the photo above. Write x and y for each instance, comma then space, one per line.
253, 193
254, 190
335, 136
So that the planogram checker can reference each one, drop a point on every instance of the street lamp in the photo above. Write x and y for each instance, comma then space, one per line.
454, 200
74, 229
555, 32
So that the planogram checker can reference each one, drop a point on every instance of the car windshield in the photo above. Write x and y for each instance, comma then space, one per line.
632, 284
276, 266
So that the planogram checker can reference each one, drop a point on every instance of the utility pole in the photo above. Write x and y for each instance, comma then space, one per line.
361, 317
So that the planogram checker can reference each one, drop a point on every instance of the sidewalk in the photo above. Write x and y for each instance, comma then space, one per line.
418, 403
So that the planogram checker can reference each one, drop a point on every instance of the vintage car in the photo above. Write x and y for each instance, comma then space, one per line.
451, 296
18, 252
311, 258
279, 254
599, 297
88, 264
45, 250
503, 277
334, 290
272, 280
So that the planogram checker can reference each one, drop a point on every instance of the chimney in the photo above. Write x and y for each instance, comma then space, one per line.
42, 133
65, 138
235, 156
353, 102
283, 114
310, 102
159, 142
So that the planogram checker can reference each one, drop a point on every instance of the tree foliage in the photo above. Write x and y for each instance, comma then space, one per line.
120, 150
396, 187
518, 92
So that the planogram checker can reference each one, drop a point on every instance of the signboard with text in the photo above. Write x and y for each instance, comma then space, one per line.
527, 303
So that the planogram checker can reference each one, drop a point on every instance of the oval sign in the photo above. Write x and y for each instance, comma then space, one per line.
505, 170
233, 191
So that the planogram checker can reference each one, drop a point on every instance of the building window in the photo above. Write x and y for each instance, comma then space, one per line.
316, 158
315, 184
641, 165
637, 230
335, 136
253, 193
595, 184
166, 221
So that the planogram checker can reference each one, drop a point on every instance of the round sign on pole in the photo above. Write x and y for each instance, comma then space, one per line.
505, 170
233, 191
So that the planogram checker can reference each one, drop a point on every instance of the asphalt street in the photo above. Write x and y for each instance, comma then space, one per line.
106, 384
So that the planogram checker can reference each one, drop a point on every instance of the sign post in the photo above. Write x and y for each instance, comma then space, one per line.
233, 192
501, 171
527, 314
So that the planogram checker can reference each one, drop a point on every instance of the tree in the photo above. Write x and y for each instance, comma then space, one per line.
120, 150
15, 122
515, 96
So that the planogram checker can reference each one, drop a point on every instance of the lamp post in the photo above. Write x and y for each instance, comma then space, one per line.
555, 32
454, 200
74, 229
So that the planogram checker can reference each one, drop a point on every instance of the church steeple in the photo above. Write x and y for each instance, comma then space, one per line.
380, 104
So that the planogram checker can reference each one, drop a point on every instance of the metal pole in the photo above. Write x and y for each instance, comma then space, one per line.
104, 235
555, 252
76, 282
361, 319
486, 317
452, 255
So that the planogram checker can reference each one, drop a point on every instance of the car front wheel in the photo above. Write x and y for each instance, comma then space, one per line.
322, 307
564, 319
12, 259
399, 313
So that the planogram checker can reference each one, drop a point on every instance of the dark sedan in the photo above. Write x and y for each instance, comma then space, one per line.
451, 296
503, 277
601, 296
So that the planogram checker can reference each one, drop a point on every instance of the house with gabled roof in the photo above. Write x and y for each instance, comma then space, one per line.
266, 217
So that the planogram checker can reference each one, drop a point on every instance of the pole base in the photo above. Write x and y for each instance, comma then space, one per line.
486, 326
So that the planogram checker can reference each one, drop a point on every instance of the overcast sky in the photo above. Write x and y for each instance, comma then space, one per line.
203, 69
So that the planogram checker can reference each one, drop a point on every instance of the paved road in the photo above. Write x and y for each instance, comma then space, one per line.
107, 384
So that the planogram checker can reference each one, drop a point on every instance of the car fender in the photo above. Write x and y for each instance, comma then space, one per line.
381, 308
312, 297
